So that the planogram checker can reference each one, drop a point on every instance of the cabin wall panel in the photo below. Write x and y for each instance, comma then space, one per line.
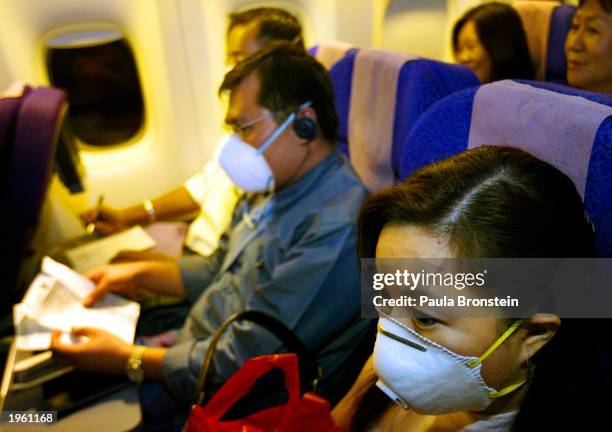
169, 150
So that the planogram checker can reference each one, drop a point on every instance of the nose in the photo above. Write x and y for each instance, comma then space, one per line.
575, 40
463, 57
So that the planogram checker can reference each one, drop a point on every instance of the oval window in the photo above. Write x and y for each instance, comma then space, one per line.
98, 72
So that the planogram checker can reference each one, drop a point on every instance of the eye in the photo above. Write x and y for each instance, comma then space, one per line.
426, 321
574, 26
242, 130
592, 30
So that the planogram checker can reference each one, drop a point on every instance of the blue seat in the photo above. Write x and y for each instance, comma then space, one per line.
342, 79
421, 83
444, 131
546, 26
556, 63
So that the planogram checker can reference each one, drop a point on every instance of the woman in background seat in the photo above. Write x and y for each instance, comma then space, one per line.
588, 47
490, 40
543, 373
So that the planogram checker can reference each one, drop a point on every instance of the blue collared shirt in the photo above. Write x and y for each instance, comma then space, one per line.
290, 254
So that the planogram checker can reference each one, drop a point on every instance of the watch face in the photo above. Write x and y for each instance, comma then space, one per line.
135, 372
136, 375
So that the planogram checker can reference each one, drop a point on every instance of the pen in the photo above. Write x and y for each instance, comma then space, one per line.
91, 226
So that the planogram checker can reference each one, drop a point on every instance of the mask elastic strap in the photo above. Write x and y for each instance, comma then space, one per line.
506, 390
281, 128
275, 134
497, 343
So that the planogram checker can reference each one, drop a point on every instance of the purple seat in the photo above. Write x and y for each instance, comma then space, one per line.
29, 128
444, 131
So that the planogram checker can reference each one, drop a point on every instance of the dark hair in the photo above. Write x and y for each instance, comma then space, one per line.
489, 202
274, 24
501, 32
289, 76
495, 201
605, 5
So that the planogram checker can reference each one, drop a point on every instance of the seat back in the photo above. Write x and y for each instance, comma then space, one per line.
449, 128
556, 62
420, 83
30, 138
546, 26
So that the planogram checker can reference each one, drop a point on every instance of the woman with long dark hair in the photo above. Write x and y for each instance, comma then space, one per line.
490, 40
543, 373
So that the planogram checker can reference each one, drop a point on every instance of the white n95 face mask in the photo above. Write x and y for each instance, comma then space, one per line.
245, 166
422, 375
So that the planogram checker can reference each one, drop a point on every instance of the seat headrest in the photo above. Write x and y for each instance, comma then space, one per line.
556, 62
454, 124
546, 25
329, 52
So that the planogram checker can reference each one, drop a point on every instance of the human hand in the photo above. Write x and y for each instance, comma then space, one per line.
101, 351
107, 219
120, 279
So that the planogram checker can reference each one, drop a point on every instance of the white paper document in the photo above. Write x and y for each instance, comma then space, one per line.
101, 251
54, 301
168, 236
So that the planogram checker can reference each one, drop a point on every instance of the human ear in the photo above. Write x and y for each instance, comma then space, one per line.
307, 112
540, 328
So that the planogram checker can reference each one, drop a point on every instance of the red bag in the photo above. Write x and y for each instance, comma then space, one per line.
305, 413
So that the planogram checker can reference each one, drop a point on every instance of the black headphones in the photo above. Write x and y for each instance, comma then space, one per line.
305, 127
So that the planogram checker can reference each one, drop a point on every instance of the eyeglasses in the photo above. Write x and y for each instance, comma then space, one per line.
243, 129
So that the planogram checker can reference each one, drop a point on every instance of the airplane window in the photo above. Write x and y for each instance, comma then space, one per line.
98, 72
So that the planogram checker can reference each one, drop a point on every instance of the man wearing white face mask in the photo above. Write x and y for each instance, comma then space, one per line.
209, 192
289, 252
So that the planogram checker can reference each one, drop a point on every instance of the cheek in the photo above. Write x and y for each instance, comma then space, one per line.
603, 50
501, 368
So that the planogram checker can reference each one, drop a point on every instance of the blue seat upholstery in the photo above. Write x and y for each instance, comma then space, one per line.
342, 79
444, 131
421, 83
556, 63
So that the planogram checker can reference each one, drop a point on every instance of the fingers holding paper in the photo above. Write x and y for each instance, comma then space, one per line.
132, 279
120, 279
92, 349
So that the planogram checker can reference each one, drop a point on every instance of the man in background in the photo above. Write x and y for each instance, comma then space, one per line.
289, 251
209, 193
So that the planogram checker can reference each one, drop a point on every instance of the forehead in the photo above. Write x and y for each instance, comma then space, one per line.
592, 9
242, 39
243, 99
406, 241
468, 31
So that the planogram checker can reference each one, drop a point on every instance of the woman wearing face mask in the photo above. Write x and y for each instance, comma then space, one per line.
588, 47
479, 373
490, 40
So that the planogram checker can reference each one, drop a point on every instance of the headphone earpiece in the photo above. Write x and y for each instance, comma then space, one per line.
305, 128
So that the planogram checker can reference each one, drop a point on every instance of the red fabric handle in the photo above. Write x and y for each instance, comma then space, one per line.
242, 381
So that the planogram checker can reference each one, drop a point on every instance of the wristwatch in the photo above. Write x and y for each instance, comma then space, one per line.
133, 367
